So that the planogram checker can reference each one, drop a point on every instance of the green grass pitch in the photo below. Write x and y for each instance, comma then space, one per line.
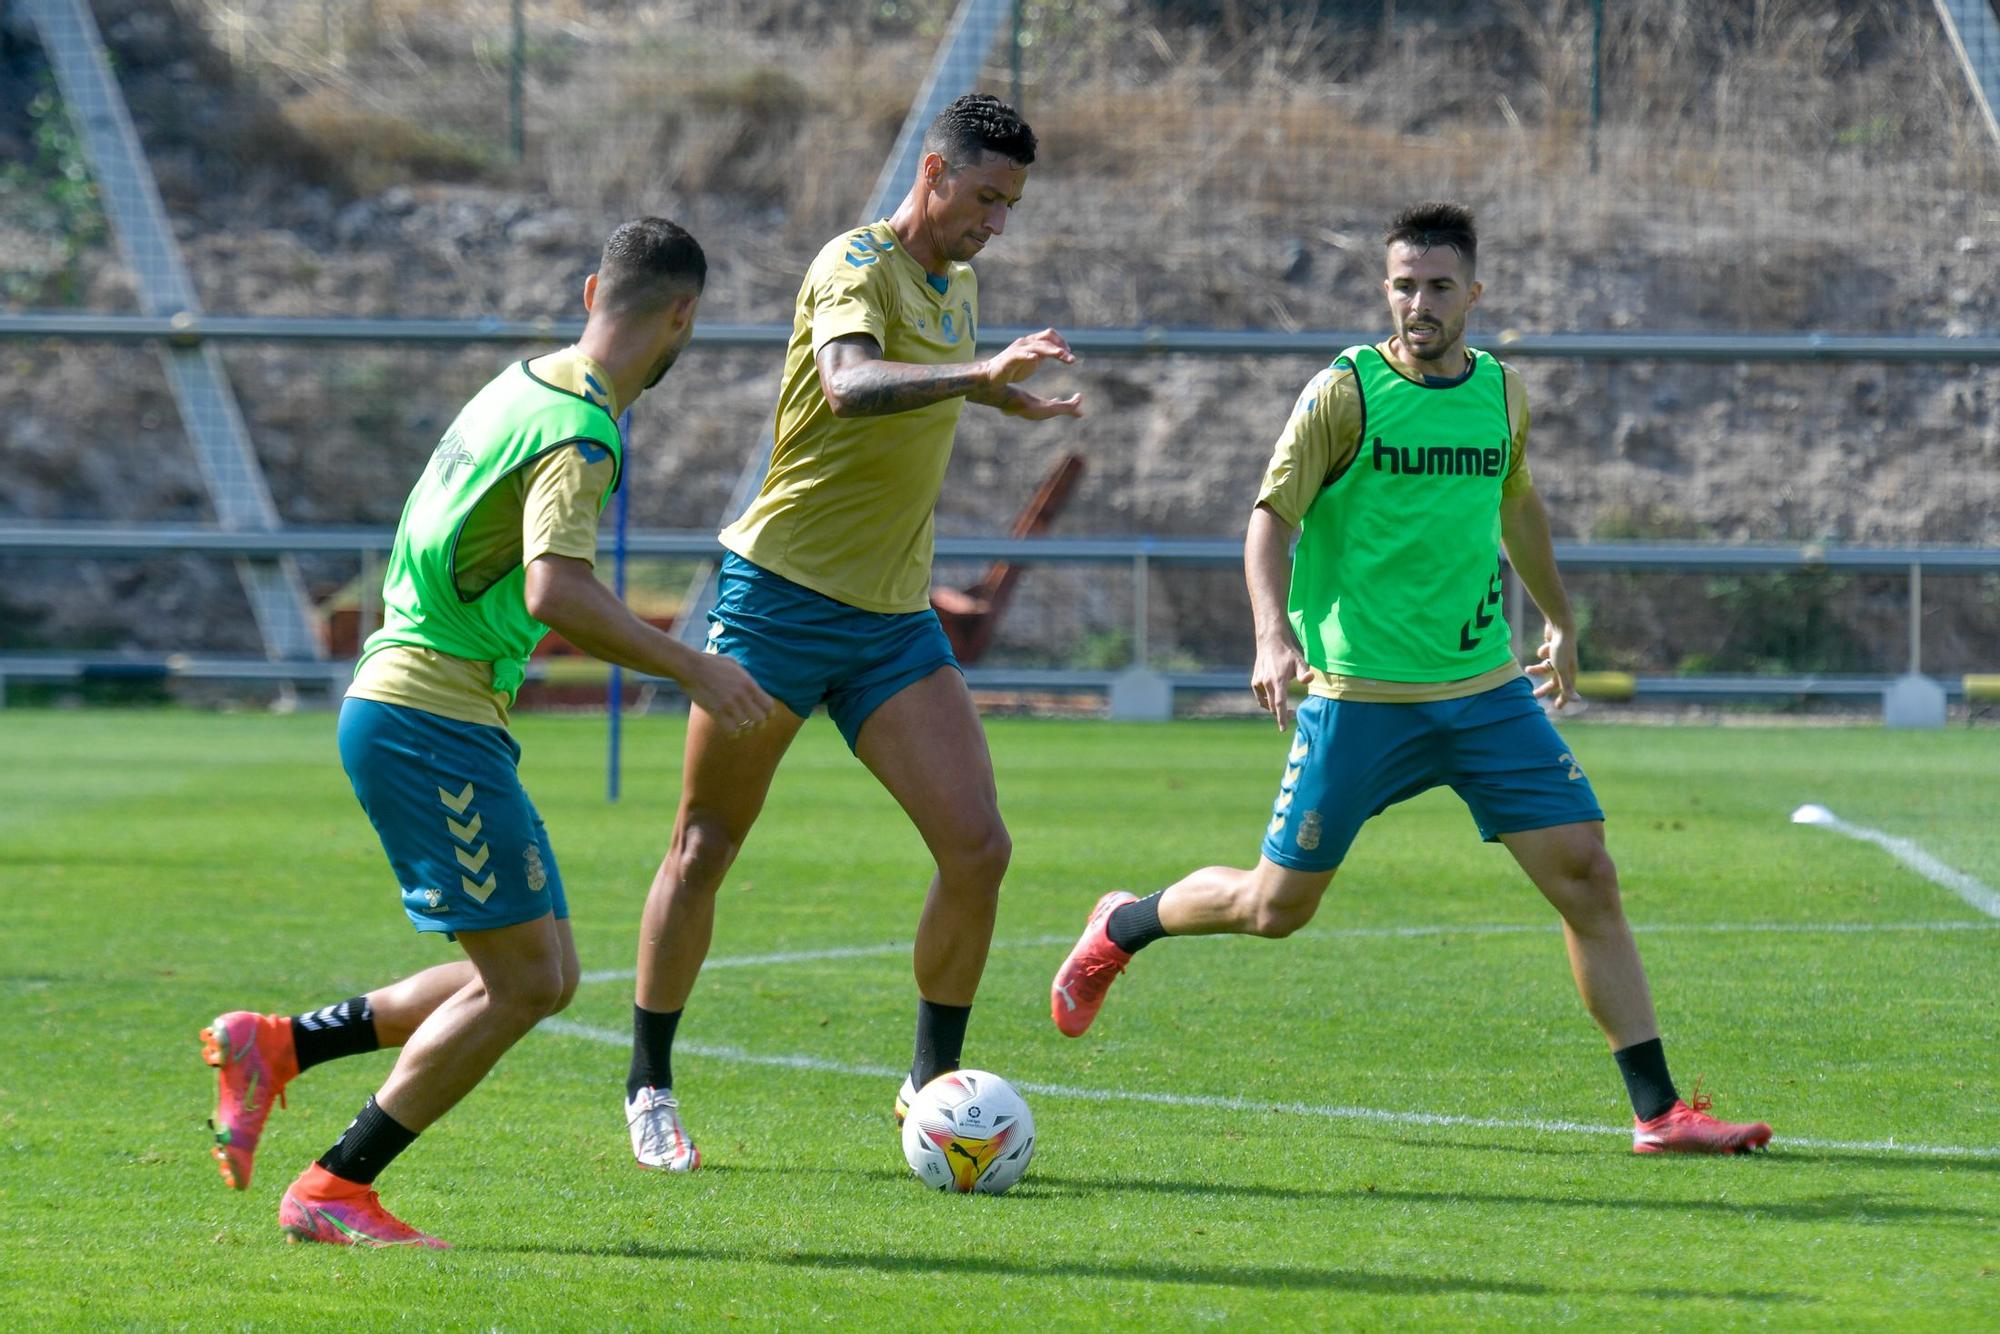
160, 867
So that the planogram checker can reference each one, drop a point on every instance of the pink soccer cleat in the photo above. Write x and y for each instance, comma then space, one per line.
322, 1207
1078, 990
254, 1060
1688, 1128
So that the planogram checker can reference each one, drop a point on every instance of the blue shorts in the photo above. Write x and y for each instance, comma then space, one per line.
446, 798
808, 649
1351, 760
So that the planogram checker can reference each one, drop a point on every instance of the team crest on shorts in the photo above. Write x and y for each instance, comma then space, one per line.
531, 860
1308, 831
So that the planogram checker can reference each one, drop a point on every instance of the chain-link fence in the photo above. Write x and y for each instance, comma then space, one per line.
1724, 166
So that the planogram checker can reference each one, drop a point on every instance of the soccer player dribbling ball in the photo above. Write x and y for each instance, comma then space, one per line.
1401, 473
495, 547
825, 597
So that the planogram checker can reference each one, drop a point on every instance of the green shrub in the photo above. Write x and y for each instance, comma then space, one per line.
53, 199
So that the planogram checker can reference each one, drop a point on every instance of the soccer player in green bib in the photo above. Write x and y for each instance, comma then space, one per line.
1401, 474
495, 548
825, 596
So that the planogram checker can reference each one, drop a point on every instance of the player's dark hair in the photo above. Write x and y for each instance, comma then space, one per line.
980, 123
1427, 226
648, 262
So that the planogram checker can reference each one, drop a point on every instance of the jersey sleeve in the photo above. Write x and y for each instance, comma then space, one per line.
564, 495
1319, 440
850, 293
1517, 481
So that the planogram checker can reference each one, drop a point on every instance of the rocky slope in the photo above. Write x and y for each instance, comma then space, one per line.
1182, 183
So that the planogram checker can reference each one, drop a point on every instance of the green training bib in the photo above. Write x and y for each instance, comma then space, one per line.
1396, 575
509, 424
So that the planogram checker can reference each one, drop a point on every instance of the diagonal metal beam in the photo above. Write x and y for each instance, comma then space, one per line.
1975, 38
208, 407
959, 59
953, 71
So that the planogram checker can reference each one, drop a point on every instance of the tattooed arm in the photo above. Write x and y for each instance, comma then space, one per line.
857, 382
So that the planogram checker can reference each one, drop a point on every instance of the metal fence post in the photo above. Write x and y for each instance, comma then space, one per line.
1596, 76
1014, 57
1141, 595
1916, 617
517, 76
368, 607
1138, 693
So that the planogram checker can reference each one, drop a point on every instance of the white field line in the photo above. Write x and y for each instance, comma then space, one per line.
1212, 1102
897, 948
1909, 854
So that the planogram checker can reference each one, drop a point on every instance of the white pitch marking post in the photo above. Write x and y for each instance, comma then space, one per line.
1909, 854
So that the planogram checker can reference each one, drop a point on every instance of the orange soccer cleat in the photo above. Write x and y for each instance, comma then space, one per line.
1077, 992
1688, 1128
322, 1207
253, 1057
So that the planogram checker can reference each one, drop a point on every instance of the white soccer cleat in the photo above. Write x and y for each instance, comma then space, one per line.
659, 1140
904, 1097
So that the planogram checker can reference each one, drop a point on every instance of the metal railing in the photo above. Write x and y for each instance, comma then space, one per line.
1139, 554
208, 407
190, 328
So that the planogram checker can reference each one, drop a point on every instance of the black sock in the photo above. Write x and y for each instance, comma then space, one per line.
652, 1050
369, 1144
334, 1031
940, 1040
1133, 926
1644, 1065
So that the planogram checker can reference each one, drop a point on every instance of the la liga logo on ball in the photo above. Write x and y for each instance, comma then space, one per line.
969, 1131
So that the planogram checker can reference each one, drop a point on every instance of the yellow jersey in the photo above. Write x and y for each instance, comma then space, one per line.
848, 506
549, 508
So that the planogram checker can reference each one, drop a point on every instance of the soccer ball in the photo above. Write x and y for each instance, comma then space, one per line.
969, 1131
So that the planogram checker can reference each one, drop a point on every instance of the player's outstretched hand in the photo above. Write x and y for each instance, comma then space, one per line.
1554, 670
727, 694
1279, 664
1024, 356
1020, 403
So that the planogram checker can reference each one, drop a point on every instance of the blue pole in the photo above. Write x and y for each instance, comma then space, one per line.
624, 511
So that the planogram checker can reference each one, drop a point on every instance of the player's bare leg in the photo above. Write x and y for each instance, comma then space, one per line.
256, 1056
402, 1006
726, 775
724, 780
1268, 900
926, 746
1574, 871
521, 975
